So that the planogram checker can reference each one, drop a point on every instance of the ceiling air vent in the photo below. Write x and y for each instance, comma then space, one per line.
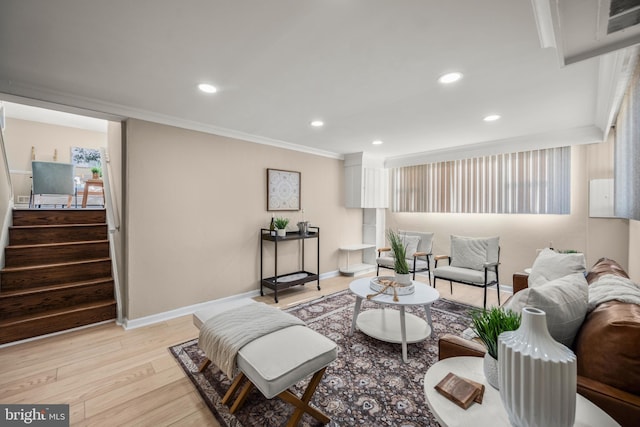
623, 14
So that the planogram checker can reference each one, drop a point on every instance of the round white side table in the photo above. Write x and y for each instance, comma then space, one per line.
491, 412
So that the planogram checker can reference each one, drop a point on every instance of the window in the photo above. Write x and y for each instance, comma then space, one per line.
536, 181
627, 153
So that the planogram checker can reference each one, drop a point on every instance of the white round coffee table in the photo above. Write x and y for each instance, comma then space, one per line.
491, 412
392, 325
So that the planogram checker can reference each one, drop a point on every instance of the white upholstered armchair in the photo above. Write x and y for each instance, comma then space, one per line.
473, 261
419, 247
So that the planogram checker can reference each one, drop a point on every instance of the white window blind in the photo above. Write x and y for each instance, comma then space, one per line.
627, 153
536, 181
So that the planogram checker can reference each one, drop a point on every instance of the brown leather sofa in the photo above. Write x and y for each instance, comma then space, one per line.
607, 347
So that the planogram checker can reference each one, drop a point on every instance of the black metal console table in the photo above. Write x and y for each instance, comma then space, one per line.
275, 283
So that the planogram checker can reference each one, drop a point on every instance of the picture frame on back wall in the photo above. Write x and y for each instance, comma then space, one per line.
85, 157
283, 190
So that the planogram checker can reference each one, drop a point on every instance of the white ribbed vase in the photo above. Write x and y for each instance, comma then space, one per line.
538, 375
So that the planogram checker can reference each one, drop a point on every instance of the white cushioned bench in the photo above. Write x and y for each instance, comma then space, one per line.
276, 361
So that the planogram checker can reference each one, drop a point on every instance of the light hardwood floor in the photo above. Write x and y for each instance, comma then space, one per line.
113, 377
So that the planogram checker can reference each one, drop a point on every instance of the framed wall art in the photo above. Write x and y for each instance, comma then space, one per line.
283, 190
85, 157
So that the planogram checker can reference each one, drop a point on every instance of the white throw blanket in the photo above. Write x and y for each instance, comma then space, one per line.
611, 287
223, 335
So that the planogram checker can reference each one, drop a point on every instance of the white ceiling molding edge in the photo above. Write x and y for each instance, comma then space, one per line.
16, 92
549, 31
562, 138
544, 23
552, 24
34, 102
615, 72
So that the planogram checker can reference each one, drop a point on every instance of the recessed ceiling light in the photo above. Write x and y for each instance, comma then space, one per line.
317, 123
492, 118
377, 142
450, 78
207, 88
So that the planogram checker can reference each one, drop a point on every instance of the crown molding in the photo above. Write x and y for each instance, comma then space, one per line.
42, 97
615, 72
561, 138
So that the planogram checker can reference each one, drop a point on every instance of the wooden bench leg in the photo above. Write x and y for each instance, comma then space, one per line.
246, 389
232, 389
302, 405
205, 363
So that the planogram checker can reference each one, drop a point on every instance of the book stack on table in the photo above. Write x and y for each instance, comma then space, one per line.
461, 391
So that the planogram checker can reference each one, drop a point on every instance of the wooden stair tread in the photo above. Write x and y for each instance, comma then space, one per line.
53, 313
37, 267
44, 245
45, 289
40, 226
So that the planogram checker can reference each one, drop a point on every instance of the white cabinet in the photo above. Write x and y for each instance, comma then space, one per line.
366, 182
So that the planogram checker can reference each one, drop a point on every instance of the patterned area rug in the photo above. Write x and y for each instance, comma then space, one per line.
367, 385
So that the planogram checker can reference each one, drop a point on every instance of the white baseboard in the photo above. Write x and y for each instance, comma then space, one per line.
161, 317
329, 274
183, 311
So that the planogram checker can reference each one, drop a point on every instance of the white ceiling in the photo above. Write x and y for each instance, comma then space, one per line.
367, 68
45, 115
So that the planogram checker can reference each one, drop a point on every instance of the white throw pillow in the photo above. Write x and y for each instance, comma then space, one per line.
411, 244
564, 301
470, 252
551, 265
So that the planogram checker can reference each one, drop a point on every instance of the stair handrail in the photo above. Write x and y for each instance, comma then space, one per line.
113, 224
113, 219
6, 165
6, 205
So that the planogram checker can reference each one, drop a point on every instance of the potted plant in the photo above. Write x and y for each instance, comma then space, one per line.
96, 172
281, 226
488, 325
400, 265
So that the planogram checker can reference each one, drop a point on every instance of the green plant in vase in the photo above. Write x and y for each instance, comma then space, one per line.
96, 172
488, 325
400, 265
281, 225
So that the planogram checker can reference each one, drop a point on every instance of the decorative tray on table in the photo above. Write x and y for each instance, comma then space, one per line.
388, 285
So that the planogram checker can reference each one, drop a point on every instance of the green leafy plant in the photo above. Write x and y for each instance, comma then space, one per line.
96, 170
489, 324
281, 223
399, 250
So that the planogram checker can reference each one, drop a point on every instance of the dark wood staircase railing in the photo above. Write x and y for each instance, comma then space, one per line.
57, 273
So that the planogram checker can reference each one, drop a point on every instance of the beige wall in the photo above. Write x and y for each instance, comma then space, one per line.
194, 205
521, 235
21, 135
606, 237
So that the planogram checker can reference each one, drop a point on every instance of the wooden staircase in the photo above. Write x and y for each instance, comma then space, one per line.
57, 273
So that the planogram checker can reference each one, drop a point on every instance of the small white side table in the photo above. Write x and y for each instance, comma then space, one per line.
491, 412
391, 325
353, 269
